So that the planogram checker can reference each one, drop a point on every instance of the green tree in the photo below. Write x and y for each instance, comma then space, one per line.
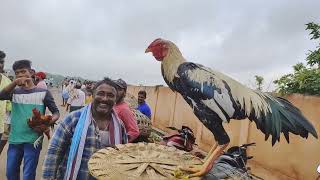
305, 79
313, 57
259, 82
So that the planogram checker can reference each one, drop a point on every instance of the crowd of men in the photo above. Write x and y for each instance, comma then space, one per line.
97, 117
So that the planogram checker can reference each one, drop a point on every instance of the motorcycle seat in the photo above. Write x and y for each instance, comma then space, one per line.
229, 160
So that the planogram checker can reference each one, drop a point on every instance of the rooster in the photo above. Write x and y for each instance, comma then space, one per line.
41, 124
216, 98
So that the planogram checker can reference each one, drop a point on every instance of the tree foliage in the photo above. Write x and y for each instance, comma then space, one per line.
259, 82
305, 79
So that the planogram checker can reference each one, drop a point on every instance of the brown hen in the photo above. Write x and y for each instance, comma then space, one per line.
40, 123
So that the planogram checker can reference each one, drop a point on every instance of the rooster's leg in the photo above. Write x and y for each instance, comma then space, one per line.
208, 164
214, 147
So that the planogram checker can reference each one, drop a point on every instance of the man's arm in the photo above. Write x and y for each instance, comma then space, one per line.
130, 124
49, 102
6, 93
147, 111
56, 151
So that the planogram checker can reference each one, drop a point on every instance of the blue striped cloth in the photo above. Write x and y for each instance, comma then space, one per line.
77, 146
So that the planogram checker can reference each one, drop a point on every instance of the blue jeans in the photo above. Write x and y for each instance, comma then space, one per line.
30, 156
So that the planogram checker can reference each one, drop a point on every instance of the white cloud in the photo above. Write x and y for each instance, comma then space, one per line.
93, 39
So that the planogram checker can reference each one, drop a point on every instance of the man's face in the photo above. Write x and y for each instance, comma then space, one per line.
141, 98
1, 65
89, 86
121, 94
104, 97
37, 79
24, 72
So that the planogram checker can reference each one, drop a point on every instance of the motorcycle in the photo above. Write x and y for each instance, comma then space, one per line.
232, 164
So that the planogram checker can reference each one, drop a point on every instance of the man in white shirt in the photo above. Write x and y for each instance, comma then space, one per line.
77, 99
40, 76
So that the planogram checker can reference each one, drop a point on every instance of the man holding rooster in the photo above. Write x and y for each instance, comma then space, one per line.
26, 98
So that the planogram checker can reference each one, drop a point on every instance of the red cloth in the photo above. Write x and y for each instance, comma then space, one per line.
41, 75
125, 114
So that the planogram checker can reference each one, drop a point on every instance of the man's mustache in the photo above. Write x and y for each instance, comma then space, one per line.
108, 102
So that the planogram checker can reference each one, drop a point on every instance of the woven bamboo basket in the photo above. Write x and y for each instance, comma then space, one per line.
131, 100
140, 161
144, 123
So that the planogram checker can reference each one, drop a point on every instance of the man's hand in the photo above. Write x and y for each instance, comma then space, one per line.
54, 118
23, 81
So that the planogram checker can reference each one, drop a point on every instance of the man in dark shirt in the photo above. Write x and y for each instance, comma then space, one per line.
143, 106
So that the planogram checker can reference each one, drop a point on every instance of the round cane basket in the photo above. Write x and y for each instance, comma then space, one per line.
131, 100
144, 123
139, 161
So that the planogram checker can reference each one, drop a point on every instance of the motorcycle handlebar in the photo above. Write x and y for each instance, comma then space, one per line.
249, 144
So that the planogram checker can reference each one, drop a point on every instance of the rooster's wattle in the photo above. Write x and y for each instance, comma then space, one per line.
216, 98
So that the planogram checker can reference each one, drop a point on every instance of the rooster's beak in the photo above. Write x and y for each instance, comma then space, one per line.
147, 50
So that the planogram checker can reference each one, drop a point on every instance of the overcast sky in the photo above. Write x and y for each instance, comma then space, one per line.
97, 38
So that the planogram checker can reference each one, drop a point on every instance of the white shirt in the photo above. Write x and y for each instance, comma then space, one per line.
78, 100
42, 84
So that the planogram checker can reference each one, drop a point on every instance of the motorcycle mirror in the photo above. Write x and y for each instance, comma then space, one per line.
249, 144
249, 157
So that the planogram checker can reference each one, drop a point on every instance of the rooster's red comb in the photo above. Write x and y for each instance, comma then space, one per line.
35, 110
157, 41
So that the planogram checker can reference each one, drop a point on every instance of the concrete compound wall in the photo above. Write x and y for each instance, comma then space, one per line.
297, 160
